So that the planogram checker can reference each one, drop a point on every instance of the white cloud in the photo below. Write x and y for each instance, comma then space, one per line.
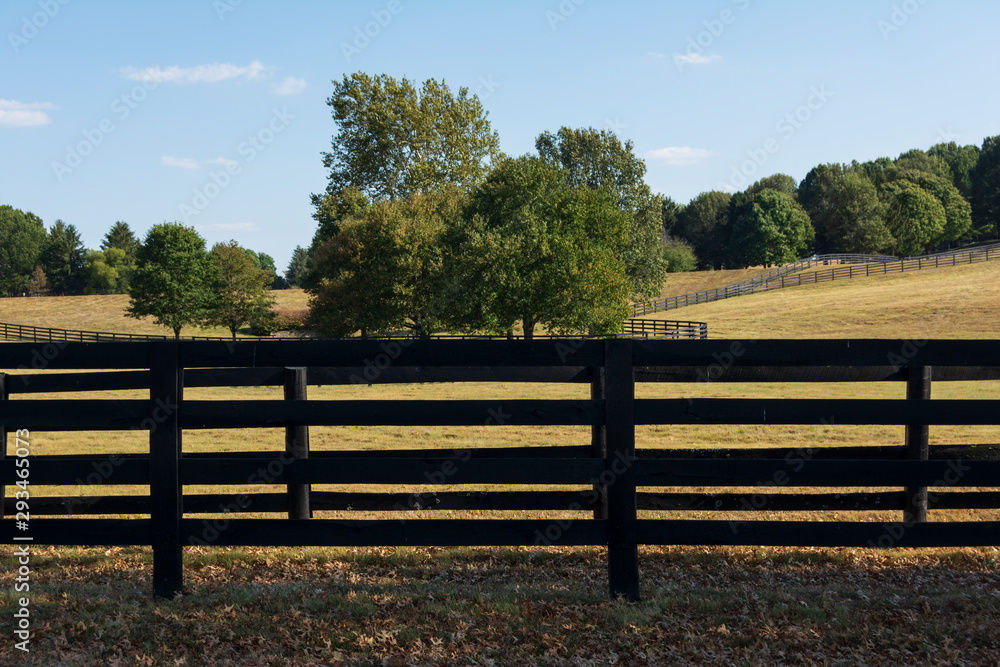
658, 56
680, 155
291, 86
182, 162
201, 74
224, 161
21, 114
694, 58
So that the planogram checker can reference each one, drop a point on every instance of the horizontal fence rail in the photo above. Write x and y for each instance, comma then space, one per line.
631, 329
604, 476
841, 266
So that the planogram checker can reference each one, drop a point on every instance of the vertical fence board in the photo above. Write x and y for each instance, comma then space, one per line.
297, 443
918, 387
164, 468
599, 443
623, 552
3, 438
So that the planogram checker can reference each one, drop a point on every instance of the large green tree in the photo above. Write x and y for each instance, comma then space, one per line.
535, 249
22, 239
774, 230
704, 223
395, 140
915, 218
961, 161
103, 271
173, 279
241, 288
382, 272
845, 210
121, 237
598, 159
986, 187
63, 259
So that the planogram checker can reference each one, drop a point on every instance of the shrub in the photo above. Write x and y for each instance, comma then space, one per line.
281, 320
679, 256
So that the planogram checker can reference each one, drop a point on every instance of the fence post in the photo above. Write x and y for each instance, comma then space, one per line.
599, 442
3, 440
918, 387
165, 395
297, 443
619, 386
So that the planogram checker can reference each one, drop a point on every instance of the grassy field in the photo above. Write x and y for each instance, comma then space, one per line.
952, 302
429, 606
106, 313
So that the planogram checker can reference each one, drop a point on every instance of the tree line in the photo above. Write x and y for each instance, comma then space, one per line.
915, 203
35, 261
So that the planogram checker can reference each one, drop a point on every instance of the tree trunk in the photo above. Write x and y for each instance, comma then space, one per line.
529, 328
177, 333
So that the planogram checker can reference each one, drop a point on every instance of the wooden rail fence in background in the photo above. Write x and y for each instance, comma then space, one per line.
841, 266
606, 476
26, 332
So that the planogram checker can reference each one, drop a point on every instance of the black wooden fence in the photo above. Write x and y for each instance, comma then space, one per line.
608, 467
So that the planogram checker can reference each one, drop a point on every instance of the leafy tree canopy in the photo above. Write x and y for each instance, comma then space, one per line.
395, 140
704, 223
173, 279
22, 239
774, 230
536, 250
915, 218
62, 259
598, 159
382, 272
241, 288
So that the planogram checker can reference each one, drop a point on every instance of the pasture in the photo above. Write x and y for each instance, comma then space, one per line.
523, 605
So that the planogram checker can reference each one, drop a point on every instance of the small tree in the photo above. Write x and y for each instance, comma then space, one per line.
241, 289
38, 285
173, 278
297, 267
62, 259
381, 272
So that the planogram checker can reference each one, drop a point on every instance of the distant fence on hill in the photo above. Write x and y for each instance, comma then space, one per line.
648, 329
608, 481
857, 266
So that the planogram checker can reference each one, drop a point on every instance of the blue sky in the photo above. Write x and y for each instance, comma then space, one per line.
213, 112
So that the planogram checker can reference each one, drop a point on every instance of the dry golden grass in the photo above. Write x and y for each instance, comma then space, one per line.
106, 313
696, 281
953, 302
